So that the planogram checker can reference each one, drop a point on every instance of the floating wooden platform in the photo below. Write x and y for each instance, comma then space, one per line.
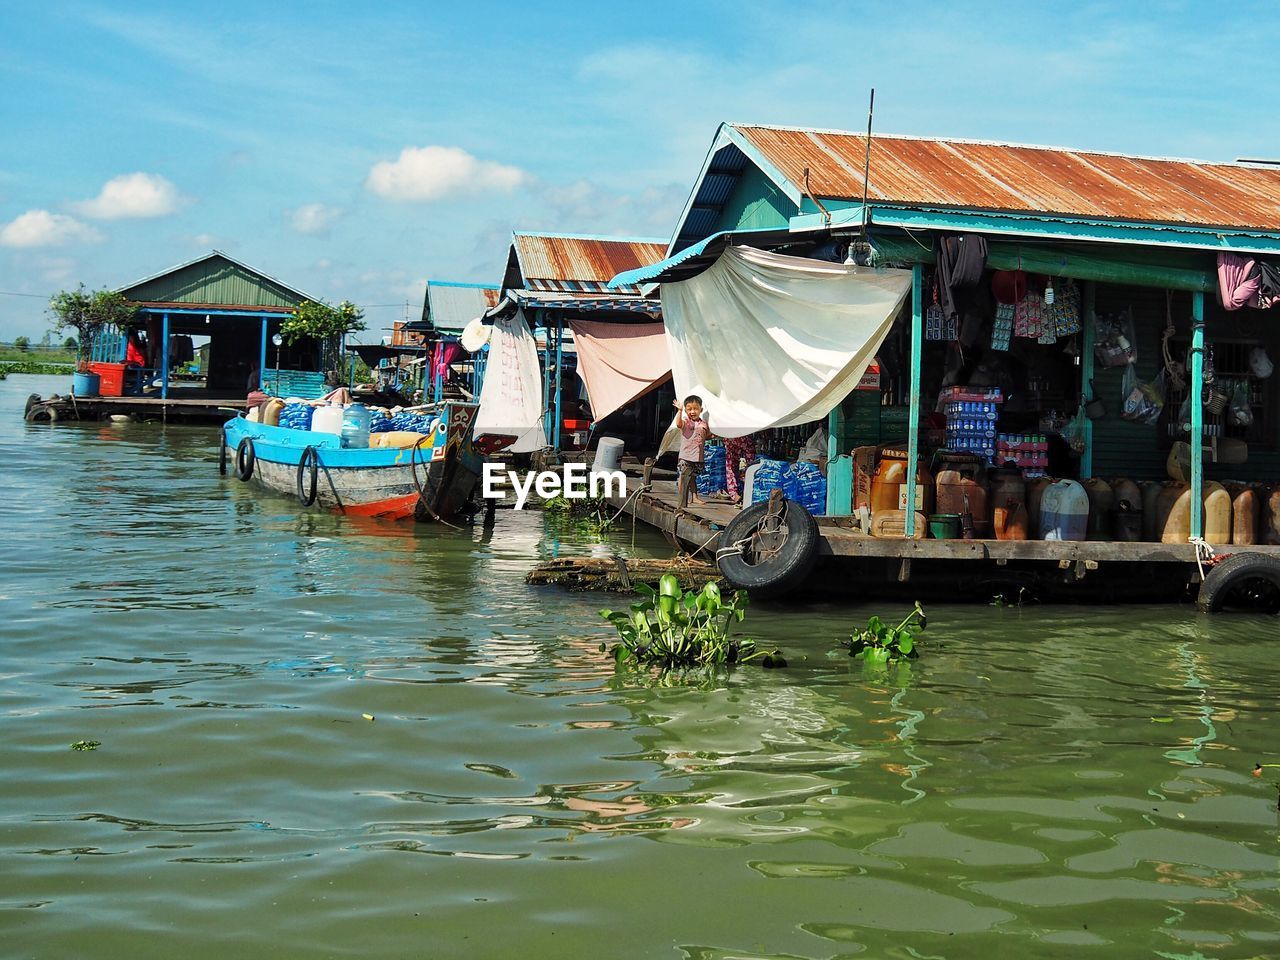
1118, 571
202, 409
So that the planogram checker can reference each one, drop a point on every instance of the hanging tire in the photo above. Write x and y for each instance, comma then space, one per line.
222, 452
309, 456
42, 414
31, 402
1243, 581
779, 541
245, 459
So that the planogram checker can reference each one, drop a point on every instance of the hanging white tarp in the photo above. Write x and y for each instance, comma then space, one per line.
774, 341
511, 397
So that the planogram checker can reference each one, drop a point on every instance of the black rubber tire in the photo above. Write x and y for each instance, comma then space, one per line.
222, 452
781, 573
246, 459
1243, 581
41, 414
309, 455
32, 400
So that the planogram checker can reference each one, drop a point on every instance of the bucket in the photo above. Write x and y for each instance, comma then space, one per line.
85, 384
944, 526
608, 455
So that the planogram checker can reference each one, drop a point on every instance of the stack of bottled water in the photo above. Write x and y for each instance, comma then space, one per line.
711, 479
804, 483
297, 416
971, 420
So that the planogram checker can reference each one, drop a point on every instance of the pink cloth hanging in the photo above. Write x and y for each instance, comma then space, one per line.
445, 354
1238, 280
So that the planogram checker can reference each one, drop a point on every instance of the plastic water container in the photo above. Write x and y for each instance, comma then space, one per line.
355, 426
1064, 511
608, 455
327, 419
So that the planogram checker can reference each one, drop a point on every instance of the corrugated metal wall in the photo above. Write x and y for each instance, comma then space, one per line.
1137, 451
213, 281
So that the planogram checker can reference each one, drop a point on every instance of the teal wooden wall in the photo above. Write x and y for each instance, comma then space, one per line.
755, 202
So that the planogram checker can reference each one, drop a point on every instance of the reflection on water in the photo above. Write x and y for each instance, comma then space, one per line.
289, 703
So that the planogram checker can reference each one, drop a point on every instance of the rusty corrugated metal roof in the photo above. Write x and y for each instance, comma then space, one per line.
583, 263
1001, 176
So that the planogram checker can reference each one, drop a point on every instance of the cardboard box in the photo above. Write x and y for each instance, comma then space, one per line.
864, 468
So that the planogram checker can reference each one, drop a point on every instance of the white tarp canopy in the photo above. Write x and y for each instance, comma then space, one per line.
774, 341
511, 396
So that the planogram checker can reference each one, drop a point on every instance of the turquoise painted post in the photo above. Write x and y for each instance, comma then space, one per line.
1197, 414
164, 358
839, 468
546, 371
1086, 371
913, 421
262, 357
559, 379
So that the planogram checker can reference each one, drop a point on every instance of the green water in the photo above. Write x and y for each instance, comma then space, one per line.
1049, 782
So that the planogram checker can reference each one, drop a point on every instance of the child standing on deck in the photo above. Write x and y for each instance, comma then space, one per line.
694, 431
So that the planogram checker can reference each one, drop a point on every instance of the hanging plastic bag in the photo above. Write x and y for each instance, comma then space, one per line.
1142, 402
1074, 431
1114, 340
1241, 412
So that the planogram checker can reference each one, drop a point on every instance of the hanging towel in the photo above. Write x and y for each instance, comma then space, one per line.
773, 341
1238, 280
511, 398
961, 261
619, 362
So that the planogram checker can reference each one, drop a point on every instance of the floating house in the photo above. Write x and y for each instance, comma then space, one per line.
1160, 375
561, 283
206, 333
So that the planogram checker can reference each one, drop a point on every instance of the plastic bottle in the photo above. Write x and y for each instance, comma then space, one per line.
327, 419
355, 426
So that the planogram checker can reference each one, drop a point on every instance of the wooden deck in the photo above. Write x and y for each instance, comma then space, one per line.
205, 408
700, 526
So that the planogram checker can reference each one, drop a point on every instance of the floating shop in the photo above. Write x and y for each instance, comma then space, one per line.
985, 368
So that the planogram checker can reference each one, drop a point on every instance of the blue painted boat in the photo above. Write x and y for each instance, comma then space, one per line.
431, 480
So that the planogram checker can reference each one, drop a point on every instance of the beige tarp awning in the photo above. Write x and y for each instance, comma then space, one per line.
619, 362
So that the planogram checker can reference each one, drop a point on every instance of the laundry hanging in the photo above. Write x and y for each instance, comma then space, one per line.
1238, 280
769, 340
619, 362
511, 398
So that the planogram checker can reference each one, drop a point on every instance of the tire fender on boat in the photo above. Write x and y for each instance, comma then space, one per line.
310, 456
1242, 580
246, 458
770, 548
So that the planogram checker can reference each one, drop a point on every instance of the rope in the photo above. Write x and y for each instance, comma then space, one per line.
1204, 553
422, 495
1171, 366
643, 488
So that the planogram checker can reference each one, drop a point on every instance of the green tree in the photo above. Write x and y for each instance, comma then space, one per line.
327, 325
22, 343
87, 313
69, 344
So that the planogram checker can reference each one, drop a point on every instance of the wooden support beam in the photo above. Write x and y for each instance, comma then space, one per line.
1197, 414
913, 420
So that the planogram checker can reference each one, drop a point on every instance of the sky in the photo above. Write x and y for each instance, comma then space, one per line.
355, 150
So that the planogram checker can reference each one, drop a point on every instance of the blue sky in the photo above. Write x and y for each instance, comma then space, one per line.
354, 150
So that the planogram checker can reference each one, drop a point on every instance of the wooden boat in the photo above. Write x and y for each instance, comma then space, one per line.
431, 480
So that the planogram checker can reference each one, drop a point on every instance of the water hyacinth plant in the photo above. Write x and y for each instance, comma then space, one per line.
671, 627
881, 643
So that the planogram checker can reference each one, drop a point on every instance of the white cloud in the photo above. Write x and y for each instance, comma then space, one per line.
40, 228
314, 218
132, 195
430, 173
205, 240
